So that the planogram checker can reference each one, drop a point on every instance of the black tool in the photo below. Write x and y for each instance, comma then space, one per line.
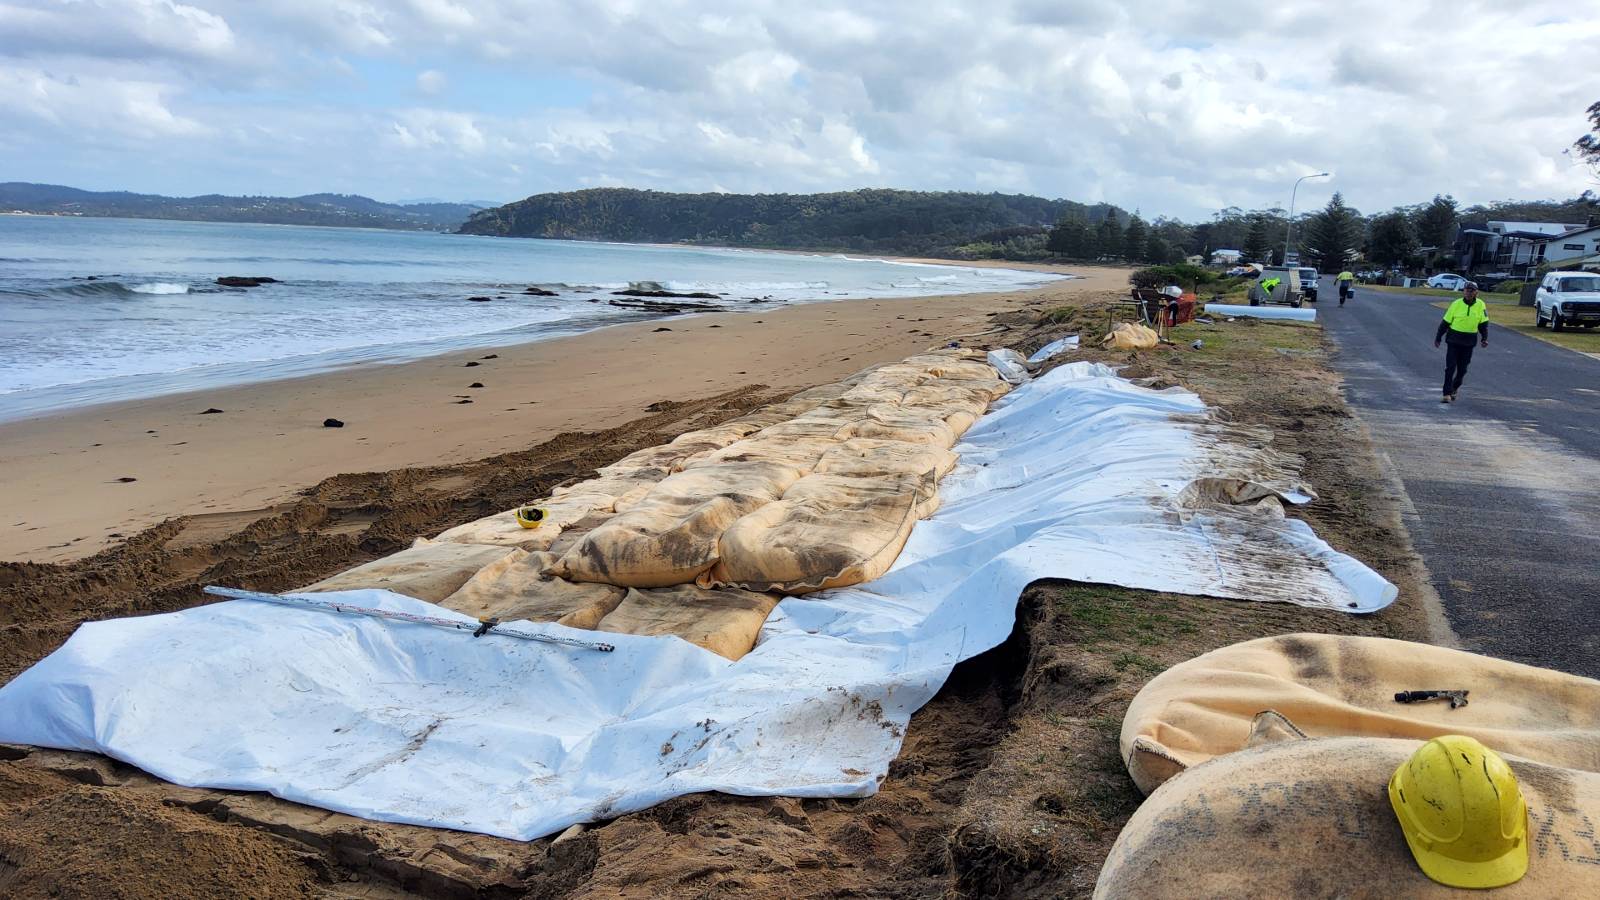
1457, 699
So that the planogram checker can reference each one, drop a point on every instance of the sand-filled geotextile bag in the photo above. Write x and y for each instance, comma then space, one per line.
869, 456
660, 461
1130, 336
670, 535
896, 423
427, 570
827, 531
823, 488
1343, 686
1312, 818
726, 622
517, 588
503, 528
619, 486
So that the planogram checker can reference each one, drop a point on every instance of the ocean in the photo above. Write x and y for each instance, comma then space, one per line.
98, 310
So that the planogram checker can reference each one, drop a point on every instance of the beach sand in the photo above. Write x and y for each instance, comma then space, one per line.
66, 475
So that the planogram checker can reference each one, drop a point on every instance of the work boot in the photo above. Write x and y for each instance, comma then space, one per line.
1446, 398
1453, 396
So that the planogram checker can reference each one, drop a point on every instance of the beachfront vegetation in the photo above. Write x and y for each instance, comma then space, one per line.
347, 210
875, 221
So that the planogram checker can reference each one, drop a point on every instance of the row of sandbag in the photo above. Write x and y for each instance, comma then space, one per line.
1266, 763
698, 537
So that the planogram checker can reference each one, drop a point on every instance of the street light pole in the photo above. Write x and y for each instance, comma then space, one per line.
1288, 232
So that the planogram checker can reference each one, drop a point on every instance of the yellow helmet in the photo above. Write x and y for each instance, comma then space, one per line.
1462, 813
529, 516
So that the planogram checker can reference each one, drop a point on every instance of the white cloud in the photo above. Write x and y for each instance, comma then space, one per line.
1165, 105
115, 28
90, 109
431, 82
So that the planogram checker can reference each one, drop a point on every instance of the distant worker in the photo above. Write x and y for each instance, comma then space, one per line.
1173, 289
1347, 285
1465, 323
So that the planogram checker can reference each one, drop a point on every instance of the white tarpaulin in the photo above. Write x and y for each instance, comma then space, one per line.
1078, 474
1302, 314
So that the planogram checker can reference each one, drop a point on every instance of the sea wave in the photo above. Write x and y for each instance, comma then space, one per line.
160, 287
105, 288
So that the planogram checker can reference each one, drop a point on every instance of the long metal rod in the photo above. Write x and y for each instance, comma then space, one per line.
1289, 231
478, 627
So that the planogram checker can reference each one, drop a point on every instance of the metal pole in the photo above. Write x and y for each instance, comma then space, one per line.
1287, 232
478, 628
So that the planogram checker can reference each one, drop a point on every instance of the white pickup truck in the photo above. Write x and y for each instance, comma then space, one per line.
1567, 298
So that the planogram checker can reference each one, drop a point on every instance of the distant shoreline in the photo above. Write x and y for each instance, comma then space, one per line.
269, 442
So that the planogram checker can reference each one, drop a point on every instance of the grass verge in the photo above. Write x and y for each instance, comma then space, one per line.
1506, 313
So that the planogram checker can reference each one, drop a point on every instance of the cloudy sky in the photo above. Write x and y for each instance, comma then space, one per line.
1170, 106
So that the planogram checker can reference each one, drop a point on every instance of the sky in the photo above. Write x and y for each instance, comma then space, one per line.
1170, 107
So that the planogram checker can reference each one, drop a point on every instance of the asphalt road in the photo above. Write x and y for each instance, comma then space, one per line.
1504, 484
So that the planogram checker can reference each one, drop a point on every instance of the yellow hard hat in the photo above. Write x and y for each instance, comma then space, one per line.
1462, 813
529, 516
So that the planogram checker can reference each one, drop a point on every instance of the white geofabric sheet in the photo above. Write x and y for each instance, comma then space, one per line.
1297, 314
1078, 475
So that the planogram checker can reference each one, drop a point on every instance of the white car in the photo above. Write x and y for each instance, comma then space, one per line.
1448, 282
1567, 298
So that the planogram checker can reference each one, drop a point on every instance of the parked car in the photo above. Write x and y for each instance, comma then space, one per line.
1308, 282
1567, 298
1448, 282
1287, 291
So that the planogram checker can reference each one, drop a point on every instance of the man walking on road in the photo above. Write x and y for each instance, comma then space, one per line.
1465, 323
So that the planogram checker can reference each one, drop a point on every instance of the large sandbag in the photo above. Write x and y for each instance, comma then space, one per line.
726, 622
827, 531
946, 396
1337, 686
670, 536
517, 588
867, 456
427, 570
503, 528
1312, 819
993, 388
1130, 336
822, 392
894, 423
797, 451
619, 485
944, 366
662, 460
724, 434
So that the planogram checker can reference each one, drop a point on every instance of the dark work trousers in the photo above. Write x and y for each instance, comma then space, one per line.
1456, 359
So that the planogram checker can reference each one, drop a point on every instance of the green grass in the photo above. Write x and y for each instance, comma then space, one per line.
1505, 313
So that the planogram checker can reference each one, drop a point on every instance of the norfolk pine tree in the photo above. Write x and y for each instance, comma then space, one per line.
1333, 234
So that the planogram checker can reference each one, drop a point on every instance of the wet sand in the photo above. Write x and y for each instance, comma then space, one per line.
64, 474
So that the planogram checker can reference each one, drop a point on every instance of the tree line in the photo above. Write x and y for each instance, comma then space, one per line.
1331, 238
877, 220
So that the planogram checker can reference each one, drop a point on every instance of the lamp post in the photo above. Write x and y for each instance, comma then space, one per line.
1289, 232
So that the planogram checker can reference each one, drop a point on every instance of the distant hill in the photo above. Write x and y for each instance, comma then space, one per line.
313, 209
875, 220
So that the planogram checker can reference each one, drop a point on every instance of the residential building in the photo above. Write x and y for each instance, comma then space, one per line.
1573, 245
1506, 246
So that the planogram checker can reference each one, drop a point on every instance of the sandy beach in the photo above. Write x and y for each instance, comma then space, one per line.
82, 480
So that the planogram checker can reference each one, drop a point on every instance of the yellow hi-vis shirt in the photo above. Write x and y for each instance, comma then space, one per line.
1464, 318
1346, 276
